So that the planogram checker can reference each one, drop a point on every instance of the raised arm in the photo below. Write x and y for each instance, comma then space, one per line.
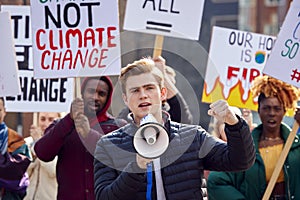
50, 144
239, 152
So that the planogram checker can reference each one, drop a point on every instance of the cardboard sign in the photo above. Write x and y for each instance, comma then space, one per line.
37, 95
41, 95
174, 18
284, 60
21, 26
75, 38
235, 59
9, 82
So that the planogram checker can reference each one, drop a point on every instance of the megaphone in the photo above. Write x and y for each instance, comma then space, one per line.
151, 139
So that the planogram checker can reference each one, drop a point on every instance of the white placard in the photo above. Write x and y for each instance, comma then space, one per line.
235, 59
21, 26
9, 81
174, 18
20, 17
40, 95
284, 60
75, 38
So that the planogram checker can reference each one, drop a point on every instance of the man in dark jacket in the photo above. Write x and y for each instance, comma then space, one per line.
120, 172
74, 137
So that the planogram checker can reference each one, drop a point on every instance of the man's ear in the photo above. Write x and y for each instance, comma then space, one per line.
163, 93
125, 99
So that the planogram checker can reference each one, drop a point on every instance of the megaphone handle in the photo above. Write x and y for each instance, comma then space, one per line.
149, 181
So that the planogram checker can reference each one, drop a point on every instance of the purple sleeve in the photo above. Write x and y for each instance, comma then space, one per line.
13, 166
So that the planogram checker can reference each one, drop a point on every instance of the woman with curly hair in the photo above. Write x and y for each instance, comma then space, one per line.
274, 99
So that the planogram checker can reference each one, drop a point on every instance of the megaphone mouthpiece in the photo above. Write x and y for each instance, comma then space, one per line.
151, 139
150, 134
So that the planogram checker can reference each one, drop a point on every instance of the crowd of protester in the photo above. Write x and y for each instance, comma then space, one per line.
90, 154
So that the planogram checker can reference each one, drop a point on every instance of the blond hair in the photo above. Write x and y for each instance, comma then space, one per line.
142, 66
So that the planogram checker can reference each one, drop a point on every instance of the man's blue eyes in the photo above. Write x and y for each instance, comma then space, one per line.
138, 90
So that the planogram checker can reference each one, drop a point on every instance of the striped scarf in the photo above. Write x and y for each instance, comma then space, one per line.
3, 138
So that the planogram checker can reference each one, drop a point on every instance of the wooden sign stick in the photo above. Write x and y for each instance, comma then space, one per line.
280, 161
77, 88
159, 40
35, 119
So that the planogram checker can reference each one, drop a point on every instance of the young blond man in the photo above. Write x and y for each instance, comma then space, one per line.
120, 172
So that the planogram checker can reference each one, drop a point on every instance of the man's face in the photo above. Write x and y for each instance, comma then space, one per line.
271, 113
143, 96
2, 111
46, 118
95, 96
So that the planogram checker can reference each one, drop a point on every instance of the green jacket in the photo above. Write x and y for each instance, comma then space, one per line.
251, 184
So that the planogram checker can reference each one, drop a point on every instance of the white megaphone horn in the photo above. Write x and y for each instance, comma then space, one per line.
151, 139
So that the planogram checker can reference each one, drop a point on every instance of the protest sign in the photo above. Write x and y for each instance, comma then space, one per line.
9, 81
20, 20
41, 95
75, 38
283, 64
37, 95
235, 59
284, 59
173, 18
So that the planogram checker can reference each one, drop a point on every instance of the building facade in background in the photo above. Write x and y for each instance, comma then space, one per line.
262, 16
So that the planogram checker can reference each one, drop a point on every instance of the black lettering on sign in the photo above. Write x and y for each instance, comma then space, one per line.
23, 56
21, 22
33, 90
55, 16
162, 7
41, 90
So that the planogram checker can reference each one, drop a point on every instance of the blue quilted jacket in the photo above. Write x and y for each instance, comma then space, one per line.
191, 150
